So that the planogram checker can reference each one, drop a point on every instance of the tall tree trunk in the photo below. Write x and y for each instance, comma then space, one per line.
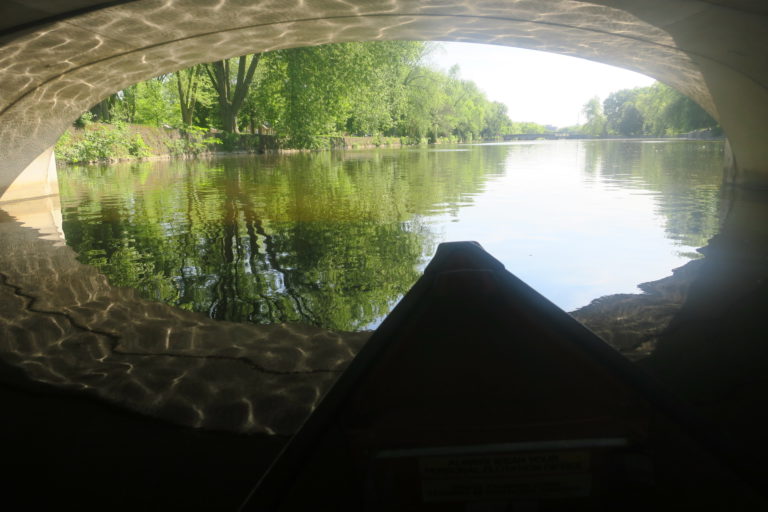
102, 111
187, 82
229, 119
231, 91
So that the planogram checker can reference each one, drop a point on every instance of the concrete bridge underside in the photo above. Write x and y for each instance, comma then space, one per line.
59, 57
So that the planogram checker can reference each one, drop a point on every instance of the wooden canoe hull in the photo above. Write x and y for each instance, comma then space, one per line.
478, 393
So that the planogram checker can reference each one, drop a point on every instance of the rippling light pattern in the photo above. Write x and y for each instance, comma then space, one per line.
63, 324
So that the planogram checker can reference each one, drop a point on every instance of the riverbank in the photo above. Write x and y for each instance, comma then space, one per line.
113, 143
633, 323
119, 142
701, 332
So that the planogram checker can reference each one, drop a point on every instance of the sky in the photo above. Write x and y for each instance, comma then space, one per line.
541, 87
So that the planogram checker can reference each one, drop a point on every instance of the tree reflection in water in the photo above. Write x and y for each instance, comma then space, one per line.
332, 240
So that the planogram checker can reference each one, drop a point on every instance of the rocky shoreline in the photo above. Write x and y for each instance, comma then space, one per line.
634, 323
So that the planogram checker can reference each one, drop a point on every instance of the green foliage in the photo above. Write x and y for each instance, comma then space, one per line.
176, 147
137, 147
194, 94
229, 141
307, 141
497, 121
100, 143
231, 79
615, 107
445, 107
192, 143
684, 115
319, 84
85, 119
596, 122
527, 127
156, 103
657, 110
306, 95
320, 238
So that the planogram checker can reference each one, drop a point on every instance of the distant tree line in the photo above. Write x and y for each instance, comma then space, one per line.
657, 110
305, 95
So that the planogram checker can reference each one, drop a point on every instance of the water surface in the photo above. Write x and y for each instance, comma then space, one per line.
335, 239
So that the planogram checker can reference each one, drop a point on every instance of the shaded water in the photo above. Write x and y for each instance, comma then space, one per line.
335, 239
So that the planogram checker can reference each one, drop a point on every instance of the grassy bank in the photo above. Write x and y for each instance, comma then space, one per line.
98, 142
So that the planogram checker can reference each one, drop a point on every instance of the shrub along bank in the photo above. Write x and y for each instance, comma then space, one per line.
101, 142
113, 142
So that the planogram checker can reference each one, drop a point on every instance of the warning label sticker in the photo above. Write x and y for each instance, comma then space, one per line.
518, 475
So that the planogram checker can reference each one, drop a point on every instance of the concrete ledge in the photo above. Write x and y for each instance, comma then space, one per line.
37, 180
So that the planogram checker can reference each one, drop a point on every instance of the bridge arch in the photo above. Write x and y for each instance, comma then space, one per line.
57, 62
59, 58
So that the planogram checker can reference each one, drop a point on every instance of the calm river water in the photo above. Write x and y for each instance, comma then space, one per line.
334, 239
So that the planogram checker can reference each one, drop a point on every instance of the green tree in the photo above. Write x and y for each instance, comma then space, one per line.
358, 88
426, 98
684, 115
378, 86
596, 121
527, 127
655, 110
102, 111
231, 79
305, 95
469, 108
631, 121
497, 122
192, 92
153, 103
620, 112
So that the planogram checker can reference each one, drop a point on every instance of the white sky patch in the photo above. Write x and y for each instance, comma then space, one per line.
542, 87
